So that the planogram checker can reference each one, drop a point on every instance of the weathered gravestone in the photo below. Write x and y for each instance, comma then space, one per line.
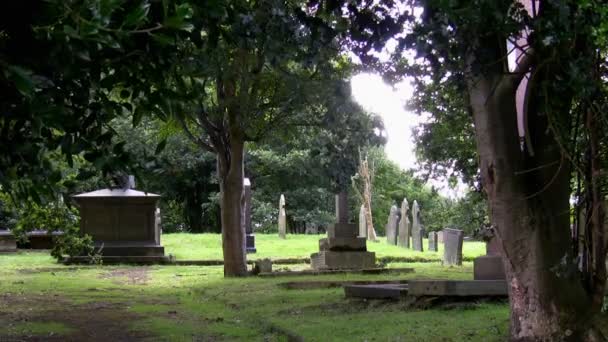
404, 226
489, 266
282, 218
123, 222
342, 249
8, 243
440, 236
249, 237
452, 250
433, 242
417, 230
362, 222
391, 226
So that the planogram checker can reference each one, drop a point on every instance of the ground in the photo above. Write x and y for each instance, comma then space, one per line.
41, 300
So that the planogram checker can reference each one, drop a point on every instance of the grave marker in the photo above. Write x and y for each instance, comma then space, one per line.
362, 222
433, 242
391, 226
282, 218
417, 231
452, 251
404, 225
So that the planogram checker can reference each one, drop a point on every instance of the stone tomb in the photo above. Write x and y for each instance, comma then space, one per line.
342, 249
123, 222
249, 236
7, 241
433, 242
452, 250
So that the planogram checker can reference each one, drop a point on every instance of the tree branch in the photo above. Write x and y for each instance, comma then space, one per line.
512, 79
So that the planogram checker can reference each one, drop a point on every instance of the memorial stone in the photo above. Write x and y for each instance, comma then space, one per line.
362, 222
417, 231
8, 243
433, 242
342, 249
404, 226
489, 266
452, 251
440, 236
249, 236
391, 226
282, 218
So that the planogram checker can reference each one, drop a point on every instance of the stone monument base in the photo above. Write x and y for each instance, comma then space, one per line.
343, 260
130, 249
488, 267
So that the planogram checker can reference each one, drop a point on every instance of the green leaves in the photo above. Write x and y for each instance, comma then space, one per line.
180, 19
22, 79
138, 16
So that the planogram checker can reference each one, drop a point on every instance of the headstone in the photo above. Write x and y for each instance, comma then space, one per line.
452, 251
262, 266
342, 249
8, 243
417, 233
282, 218
362, 222
489, 266
440, 236
391, 226
311, 228
404, 225
123, 221
249, 236
433, 242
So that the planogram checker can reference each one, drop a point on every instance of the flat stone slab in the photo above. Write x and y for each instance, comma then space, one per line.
458, 288
322, 272
113, 260
320, 284
377, 291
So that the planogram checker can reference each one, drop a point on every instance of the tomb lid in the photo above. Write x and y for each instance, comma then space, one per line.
116, 193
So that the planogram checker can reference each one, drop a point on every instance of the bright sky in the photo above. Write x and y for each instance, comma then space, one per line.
375, 96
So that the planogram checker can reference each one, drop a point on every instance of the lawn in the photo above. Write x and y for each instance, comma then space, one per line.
208, 247
43, 300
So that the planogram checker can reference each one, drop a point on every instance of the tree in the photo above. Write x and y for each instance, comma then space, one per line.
528, 185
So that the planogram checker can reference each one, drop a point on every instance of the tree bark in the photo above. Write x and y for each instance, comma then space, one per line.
230, 170
529, 208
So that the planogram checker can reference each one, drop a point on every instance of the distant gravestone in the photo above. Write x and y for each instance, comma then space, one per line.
417, 233
311, 229
433, 242
362, 222
249, 236
452, 251
404, 226
282, 218
440, 236
391, 226
8, 243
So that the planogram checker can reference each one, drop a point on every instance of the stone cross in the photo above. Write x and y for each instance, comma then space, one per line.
362, 222
452, 251
404, 225
391, 226
433, 242
282, 218
416, 228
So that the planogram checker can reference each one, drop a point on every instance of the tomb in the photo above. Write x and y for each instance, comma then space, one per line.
7, 241
123, 224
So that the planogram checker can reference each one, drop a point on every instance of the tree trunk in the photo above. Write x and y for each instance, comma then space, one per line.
529, 208
367, 198
230, 170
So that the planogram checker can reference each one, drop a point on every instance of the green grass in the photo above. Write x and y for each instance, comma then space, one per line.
208, 247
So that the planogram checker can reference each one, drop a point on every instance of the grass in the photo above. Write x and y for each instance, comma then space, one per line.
40, 298
208, 247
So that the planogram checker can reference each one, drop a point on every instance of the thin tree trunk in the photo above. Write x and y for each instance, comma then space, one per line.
367, 198
230, 169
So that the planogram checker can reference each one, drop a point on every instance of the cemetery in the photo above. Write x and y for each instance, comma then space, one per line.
307, 170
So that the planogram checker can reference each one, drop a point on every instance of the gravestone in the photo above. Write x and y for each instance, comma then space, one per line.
249, 236
489, 266
440, 236
262, 266
417, 230
391, 226
123, 221
362, 222
8, 243
342, 249
311, 229
452, 250
404, 226
282, 218
433, 242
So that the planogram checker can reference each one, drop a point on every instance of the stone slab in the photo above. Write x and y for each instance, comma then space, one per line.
342, 230
452, 251
327, 284
343, 244
376, 291
458, 288
112, 260
488, 267
375, 270
8, 243
131, 250
330, 260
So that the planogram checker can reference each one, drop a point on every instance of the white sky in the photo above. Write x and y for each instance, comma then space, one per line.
375, 96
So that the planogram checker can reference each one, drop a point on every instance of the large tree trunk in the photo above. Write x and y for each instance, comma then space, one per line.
230, 169
529, 208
